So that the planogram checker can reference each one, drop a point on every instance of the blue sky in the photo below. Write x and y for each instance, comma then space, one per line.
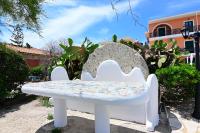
96, 20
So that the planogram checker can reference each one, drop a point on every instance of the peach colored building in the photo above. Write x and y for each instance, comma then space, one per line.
170, 28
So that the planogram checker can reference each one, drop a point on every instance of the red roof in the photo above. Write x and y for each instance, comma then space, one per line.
34, 51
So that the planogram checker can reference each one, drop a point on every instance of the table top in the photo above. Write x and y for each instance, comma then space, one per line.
90, 90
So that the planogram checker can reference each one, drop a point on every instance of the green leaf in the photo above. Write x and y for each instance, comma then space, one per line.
70, 42
163, 58
64, 47
114, 38
159, 64
83, 43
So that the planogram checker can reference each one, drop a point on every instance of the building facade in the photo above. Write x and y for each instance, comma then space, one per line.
170, 28
33, 56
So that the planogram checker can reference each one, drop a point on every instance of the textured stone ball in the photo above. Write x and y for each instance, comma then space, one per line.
126, 57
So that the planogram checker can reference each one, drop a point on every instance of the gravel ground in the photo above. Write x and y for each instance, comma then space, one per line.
32, 118
26, 118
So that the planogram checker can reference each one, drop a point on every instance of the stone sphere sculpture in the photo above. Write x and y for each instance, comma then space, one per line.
126, 57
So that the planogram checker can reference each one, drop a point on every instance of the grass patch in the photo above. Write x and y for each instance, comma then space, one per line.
45, 102
50, 117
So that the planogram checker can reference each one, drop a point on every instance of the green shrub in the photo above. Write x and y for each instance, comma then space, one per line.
178, 82
56, 130
13, 72
37, 71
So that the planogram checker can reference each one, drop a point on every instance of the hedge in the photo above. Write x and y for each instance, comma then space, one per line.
13, 72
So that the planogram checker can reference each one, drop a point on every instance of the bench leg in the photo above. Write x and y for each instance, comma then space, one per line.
60, 115
102, 122
151, 119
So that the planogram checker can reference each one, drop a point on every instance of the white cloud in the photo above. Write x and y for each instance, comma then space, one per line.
74, 21
61, 2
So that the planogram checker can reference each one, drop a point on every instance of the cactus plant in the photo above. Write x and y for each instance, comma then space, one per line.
162, 54
74, 57
114, 38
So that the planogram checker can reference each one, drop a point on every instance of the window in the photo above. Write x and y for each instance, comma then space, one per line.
161, 31
189, 25
189, 46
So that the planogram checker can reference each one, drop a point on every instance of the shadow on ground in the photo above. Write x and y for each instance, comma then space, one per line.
15, 104
174, 121
163, 126
184, 109
83, 125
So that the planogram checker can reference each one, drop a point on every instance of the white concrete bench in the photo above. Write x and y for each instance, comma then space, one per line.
143, 110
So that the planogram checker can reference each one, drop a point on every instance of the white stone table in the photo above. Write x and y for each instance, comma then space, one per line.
101, 93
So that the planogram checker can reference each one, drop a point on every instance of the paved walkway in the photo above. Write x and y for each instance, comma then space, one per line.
32, 117
180, 118
183, 125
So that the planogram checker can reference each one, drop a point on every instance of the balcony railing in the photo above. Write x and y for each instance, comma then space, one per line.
173, 31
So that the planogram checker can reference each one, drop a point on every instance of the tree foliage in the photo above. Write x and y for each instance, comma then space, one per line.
23, 12
53, 47
13, 71
18, 36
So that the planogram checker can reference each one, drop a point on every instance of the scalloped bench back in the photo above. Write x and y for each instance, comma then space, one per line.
110, 70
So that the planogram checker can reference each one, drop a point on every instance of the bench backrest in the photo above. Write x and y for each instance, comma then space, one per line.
59, 73
110, 70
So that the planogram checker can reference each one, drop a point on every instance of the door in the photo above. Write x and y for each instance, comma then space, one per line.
189, 46
161, 31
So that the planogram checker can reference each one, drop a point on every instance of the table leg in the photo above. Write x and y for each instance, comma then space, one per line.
102, 122
60, 115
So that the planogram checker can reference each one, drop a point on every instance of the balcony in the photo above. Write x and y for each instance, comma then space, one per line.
172, 31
